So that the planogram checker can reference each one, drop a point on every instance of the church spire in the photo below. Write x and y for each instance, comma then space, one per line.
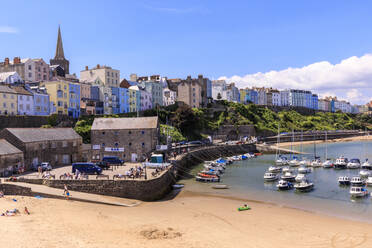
59, 50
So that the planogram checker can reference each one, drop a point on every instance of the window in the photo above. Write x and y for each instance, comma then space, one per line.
21, 97
130, 144
12, 96
116, 132
103, 144
12, 105
4, 95
29, 74
65, 87
64, 143
143, 144
116, 144
143, 132
74, 143
193, 89
103, 133
29, 67
53, 145
21, 106
130, 132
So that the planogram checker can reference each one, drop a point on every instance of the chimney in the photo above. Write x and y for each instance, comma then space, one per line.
98, 66
16, 60
200, 76
188, 77
86, 68
6, 61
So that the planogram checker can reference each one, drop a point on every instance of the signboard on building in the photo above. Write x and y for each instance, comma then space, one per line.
96, 147
114, 149
161, 147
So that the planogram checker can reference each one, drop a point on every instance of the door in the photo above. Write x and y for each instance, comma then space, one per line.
134, 157
35, 161
66, 159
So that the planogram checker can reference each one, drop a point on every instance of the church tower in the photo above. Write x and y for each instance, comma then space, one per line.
59, 58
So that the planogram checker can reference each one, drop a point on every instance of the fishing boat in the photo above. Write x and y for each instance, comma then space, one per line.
207, 179
357, 181
275, 169
341, 163
300, 177
358, 192
304, 170
344, 180
288, 176
304, 186
366, 165
269, 177
364, 173
369, 181
353, 164
327, 164
284, 185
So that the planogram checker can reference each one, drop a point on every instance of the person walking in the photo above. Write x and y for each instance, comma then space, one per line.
65, 189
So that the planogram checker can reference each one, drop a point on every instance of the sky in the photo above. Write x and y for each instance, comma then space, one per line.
323, 46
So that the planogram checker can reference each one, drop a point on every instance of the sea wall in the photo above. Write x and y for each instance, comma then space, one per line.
9, 189
147, 190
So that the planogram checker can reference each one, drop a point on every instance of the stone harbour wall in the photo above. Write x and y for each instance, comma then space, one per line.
10, 189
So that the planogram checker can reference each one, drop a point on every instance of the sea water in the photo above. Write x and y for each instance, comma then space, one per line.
245, 179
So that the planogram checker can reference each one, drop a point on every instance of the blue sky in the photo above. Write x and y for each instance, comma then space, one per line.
178, 38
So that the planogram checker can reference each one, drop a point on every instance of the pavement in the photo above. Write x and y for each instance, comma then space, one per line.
77, 196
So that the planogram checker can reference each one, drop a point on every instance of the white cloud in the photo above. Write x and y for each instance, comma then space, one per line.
8, 29
171, 10
351, 79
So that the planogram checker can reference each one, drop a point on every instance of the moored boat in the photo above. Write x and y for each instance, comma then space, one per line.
327, 164
358, 191
207, 179
353, 164
366, 165
369, 181
304, 186
341, 163
304, 170
269, 177
316, 163
284, 185
356, 181
344, 180
288, 176
364, 173
275, 169
300, 177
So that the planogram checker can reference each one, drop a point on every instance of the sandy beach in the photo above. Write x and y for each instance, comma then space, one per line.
189, 220
348, 139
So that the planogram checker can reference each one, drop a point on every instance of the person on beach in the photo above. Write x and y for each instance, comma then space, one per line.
1, 194
65, 189
39, 170
67, 194
26, 211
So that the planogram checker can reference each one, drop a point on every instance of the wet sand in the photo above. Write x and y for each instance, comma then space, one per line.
189, 220
348, 139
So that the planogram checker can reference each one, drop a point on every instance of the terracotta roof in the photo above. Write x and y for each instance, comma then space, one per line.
125, 123
43, 134
7, 148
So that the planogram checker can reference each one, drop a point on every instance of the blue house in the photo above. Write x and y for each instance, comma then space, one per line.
41, 100
251, 96
94, 96
120, 100
314, 101
74, 100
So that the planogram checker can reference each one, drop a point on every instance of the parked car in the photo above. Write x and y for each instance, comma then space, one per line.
103, 165
87, 168
112, 160
195, 142
181, 143
45, 166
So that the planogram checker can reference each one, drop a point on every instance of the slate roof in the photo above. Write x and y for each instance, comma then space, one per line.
6, 89
5, 75
20, 90
125, 123
43, 134
7, 148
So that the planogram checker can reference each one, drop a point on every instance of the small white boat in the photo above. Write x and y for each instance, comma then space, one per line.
364, 173
236, 158
300, 177
178, 186
207, 179
288, 176
281, 161
356, 181
369, 181
341, 163
367, 165
294, 162
284, 185
220, 186
269, 177
211, 172
316, 163
304, 186
344, 180
275, 169
358, 192
304, 162
327, 164
287, 169
353, 164
304, 170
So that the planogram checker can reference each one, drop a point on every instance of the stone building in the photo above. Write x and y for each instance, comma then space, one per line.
8, 100
109, 77
30, 70
11, 158
58, 146
131, 139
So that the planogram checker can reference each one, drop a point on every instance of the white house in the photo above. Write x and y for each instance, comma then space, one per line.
10, 77
169, 97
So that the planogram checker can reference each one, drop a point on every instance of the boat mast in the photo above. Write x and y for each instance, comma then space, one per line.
326, 151
277, 143
314, 147
292, 144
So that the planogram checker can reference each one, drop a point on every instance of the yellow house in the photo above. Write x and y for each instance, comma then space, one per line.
59, 95
8, 101
243, 94
134, 99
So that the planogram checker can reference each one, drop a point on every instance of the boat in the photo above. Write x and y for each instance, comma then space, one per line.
294, 162
358, 192
344, 180
211, 172
275, 169
244, 208
304, 186
353, 164
284, 185
304, 162
316, 162
327, 164
269, 177
207, 179
304, 170
200, 174
369, 181
364, 173
300, 177
220, 186
281, 160
243, 157
288, 176
236, 158
341, 163
287, 169
357, 181
366, 165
